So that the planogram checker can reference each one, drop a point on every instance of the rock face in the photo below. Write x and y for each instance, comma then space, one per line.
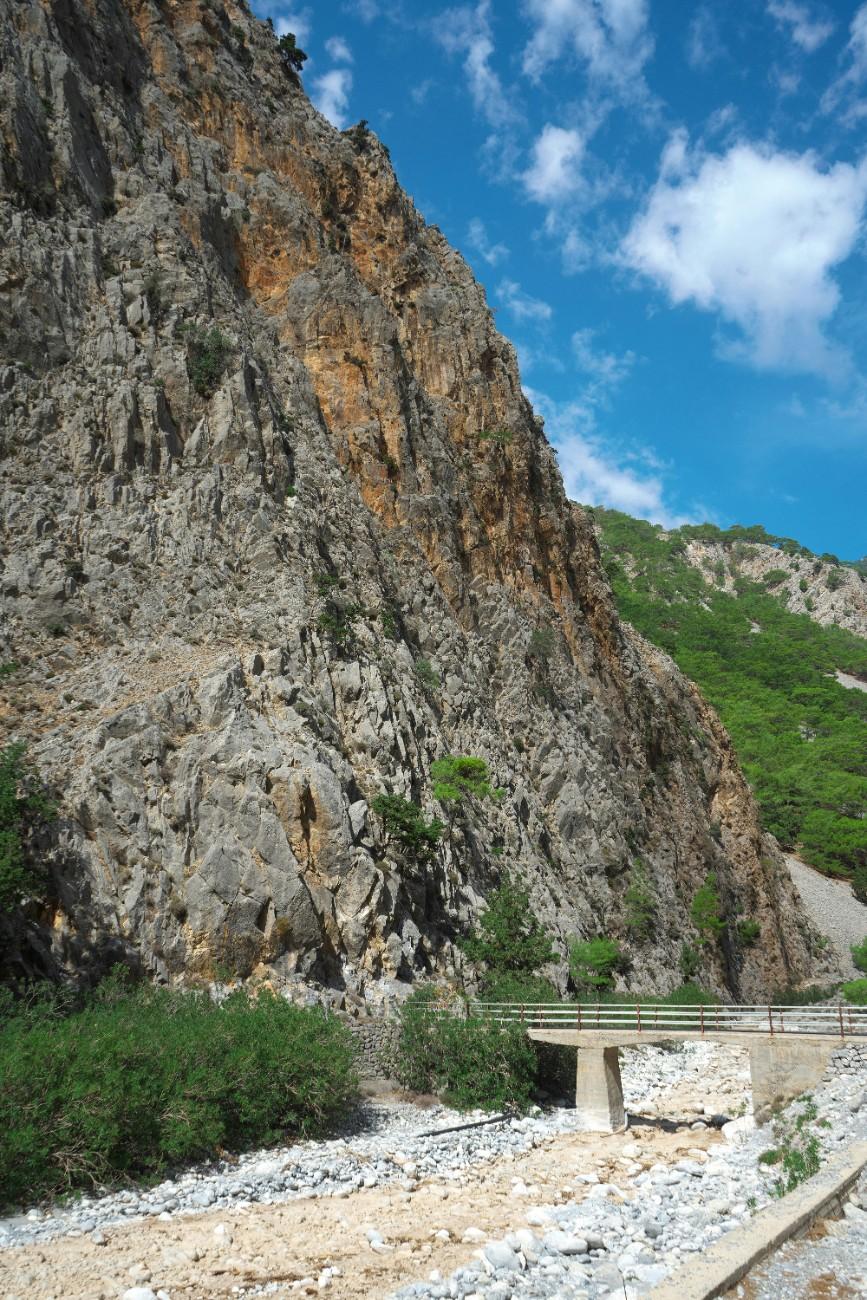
280, 529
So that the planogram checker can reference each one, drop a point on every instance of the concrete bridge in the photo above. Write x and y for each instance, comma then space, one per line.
789, 1047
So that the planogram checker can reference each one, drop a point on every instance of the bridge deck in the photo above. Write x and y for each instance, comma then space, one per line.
646, 1037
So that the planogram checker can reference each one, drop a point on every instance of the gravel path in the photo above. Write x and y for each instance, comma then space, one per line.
831, 1262
833, 909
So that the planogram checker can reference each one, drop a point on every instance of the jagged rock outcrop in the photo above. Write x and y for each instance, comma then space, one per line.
831, 594
246, 491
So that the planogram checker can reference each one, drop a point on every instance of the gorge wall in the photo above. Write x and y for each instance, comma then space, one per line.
245, 492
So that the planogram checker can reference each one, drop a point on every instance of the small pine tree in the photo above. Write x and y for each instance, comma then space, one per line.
509, 936
292, 57
404, 822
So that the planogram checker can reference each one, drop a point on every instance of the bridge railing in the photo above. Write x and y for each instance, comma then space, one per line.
838, 1020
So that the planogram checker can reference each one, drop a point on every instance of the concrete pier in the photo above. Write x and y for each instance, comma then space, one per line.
599, 1091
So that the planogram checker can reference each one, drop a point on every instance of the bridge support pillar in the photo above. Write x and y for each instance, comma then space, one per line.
781, 1068
599, 1091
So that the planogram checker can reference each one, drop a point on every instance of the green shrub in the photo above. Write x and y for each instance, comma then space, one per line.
207, 355
427, 675
136, 1083
749, 932
705, 910
470, 1062
501, 436
803, 585
404, 822
804, 997
859, 882
859, 954
23, 805
689, 961
856, 992
639, 903
774, 577
460, 776
593, 963
797, 1148
517, 986
542, 644
509, 936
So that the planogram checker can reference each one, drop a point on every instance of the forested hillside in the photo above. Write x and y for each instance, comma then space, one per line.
770, 672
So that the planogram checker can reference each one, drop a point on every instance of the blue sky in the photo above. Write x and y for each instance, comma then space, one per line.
666, 201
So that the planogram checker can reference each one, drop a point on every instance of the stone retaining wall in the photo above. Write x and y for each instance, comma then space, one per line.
851, 1059
376, 1043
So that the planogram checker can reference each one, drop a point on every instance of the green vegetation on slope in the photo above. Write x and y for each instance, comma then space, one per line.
800, 736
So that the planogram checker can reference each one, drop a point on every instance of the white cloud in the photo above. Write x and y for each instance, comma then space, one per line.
300, 24
520, 304
807, 31
554, 173
477, 238
466, 31
849, 83
753, 235
605, 370
338, 49
590, 472
610, 37
703, 44
330, 94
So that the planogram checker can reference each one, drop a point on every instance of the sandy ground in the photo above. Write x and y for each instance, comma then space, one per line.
206, 1255
209, 1254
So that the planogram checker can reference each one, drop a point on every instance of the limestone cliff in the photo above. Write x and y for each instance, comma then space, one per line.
264, 453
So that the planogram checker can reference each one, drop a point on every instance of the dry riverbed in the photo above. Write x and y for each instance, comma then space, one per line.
527, 1208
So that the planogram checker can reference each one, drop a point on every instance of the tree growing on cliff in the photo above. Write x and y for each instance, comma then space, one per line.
404, 823
509, 938
292, 57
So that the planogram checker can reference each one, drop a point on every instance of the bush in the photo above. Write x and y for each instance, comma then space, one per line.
509, 937
859, 954
593, 963
859, 882
138, 1082
22, 807
639, 903
458, 776
511, 986
207, 355
749, 932
470, 1062
705, 910
855, 992
797, 1150
427, 675
689, 961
